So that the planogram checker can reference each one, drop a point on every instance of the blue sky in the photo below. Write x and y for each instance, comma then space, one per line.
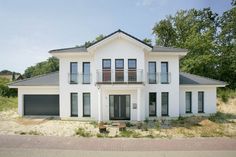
29, 29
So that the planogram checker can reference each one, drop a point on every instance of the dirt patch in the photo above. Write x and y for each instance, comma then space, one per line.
28, 121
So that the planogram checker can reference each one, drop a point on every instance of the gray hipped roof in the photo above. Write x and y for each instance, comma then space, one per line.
190, 79
52, 79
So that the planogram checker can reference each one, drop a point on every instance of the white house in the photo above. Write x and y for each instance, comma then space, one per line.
117, 78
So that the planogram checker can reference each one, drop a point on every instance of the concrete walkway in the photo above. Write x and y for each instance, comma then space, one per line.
37, 146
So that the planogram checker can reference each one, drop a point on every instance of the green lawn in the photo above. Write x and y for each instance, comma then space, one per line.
8, 103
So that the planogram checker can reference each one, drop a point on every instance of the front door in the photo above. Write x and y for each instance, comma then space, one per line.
119, 107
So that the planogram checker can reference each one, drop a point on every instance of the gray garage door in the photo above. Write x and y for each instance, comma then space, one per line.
41, 105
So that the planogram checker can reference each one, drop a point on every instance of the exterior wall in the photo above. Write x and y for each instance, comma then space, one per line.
209, 99
33, 90
172, 88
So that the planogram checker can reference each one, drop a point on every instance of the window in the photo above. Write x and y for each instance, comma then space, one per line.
200, 102
188, 102
73, 73
164, 73
106, 70
152, 72
132, 71
86, 104
86, 73
74, 104
152, 104
164, 103
119, 65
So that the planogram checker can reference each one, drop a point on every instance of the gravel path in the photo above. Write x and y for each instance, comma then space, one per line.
94, 144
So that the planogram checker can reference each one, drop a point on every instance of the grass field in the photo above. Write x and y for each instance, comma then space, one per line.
8, 103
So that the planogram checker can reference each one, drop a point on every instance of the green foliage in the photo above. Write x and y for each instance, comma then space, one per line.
5, 90
147, 41
82, 132
51, 65
225, 94
220, 117
211, 53
8, 103
130, 133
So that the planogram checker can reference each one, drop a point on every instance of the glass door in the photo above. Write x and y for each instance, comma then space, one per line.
119, 107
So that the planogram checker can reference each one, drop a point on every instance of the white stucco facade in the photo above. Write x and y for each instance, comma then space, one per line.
121, 46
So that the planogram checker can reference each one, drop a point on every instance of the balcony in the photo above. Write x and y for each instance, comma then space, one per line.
120, 76
76, 78
155, 78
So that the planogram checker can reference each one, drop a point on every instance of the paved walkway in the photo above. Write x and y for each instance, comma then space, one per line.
95, 144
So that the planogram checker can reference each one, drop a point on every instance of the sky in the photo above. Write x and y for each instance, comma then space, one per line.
30, 28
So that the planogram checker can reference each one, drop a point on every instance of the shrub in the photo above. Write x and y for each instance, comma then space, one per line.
82, 132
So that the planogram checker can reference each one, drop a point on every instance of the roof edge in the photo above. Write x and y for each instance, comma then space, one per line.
12, 83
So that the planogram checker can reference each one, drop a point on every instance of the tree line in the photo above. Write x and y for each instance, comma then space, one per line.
210, 39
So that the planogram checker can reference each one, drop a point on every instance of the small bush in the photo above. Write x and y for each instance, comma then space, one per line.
220, 117
82, 132
94, 123
130, 133
225, 94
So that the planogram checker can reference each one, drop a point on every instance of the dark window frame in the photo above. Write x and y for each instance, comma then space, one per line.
84, 115
135, 64
202, 92
167, 104
89, 72
151, 62
167, 71
103, 64
118, 68
71, 82
155, 114
190, 102
72, 115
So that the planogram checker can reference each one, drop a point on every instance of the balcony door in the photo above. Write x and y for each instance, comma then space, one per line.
119, 107
119, 74
106, 70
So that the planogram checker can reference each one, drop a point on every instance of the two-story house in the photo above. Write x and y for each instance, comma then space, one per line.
117, 78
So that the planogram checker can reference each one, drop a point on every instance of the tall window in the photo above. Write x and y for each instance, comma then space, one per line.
164, 103
119, 65
152, 104
73, 72
74, 104
86, 104
106, 70
86, 72
200, 102
188, 102
164, 73
132, 70
152, 72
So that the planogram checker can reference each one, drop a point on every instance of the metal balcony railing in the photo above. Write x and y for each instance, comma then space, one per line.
76, 78
155, 78
119, 76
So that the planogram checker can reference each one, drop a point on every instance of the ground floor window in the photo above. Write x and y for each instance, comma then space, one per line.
86, 104
200, 102
74, 104
164, 103
152, 104
188, 102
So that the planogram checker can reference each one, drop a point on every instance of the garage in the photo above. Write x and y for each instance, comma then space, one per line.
46, 105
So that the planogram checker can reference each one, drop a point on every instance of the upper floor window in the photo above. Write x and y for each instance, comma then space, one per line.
106, 64
106, 70
152, 72
73, 72
132, 70
119, 65
164, 73
86, 72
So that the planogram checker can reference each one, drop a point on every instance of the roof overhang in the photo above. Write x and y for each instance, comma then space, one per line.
119, 35
199, 85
